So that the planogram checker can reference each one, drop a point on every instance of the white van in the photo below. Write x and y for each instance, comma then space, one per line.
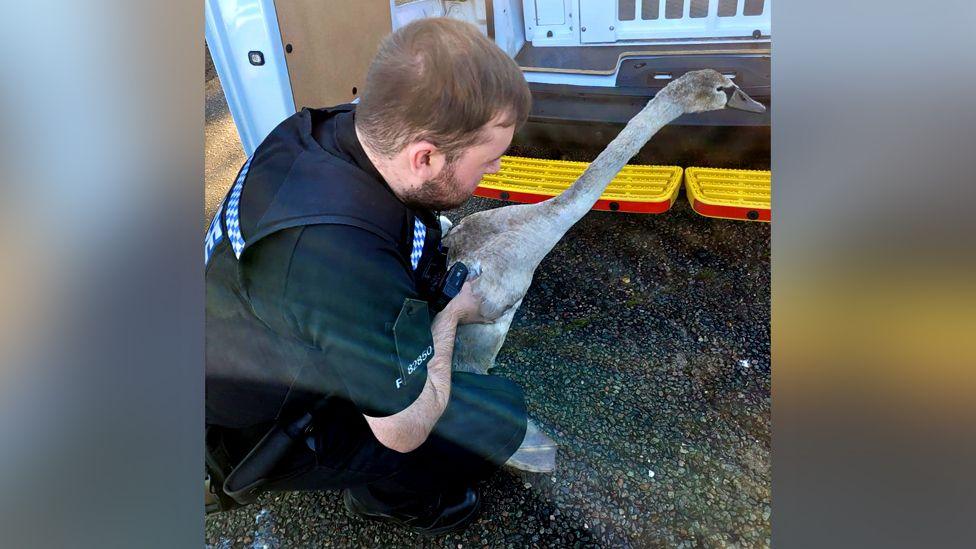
591, 65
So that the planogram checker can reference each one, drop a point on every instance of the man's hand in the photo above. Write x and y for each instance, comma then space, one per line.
466, 307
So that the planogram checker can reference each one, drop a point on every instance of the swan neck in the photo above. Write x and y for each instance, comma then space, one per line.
570, 206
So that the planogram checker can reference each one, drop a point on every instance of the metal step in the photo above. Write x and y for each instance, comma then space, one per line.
636, 189
729, 194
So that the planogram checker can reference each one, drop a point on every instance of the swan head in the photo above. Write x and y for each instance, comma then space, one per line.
708, 90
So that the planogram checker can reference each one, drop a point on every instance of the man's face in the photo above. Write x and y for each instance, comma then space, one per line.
456, 182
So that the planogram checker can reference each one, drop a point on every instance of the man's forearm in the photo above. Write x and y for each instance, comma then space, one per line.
443, 330
408, 429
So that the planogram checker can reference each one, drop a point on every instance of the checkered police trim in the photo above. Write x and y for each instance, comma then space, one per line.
214, 235
419, 234
233, 219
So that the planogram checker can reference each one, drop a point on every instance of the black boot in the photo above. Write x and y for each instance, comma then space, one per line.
445, 513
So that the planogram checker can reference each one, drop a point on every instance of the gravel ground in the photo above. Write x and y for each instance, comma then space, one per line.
643, 347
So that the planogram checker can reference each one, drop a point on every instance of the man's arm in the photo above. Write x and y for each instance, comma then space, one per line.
405, 431
408, 429
343, 306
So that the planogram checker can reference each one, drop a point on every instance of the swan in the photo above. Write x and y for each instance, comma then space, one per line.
503, 247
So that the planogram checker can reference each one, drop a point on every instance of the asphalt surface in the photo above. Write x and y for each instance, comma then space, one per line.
643, 349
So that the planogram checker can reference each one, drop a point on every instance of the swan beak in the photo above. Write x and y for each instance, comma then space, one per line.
739, 100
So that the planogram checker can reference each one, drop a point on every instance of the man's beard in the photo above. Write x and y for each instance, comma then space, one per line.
440, 193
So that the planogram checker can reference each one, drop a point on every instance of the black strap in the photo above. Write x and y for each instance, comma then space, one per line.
326, 220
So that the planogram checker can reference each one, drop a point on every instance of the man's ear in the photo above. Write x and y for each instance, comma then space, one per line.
424, 160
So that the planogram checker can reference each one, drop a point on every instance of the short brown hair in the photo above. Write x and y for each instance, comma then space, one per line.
440, 80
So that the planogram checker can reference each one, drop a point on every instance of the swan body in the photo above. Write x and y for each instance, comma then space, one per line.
503, 247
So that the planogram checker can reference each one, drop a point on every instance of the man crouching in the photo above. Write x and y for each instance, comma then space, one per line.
330, 309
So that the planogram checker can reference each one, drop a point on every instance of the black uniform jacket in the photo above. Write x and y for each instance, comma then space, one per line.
310, 262
312, 291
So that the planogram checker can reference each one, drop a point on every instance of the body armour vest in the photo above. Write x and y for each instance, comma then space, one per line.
289, 181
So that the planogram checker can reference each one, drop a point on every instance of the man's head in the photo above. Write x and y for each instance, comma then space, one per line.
440, 106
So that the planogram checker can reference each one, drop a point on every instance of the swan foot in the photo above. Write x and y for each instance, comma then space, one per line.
536, 454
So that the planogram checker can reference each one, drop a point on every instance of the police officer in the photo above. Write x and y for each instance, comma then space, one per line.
331, 313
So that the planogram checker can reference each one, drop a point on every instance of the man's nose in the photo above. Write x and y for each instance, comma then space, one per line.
495, 166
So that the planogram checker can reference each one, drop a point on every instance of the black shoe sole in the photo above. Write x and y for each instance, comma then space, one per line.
354, 510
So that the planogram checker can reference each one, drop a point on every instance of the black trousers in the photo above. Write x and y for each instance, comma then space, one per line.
482, 426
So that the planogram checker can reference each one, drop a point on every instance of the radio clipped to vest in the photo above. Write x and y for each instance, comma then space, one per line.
451, 286
437, 284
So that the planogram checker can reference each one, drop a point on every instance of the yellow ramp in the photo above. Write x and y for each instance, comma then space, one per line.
636, 189
729, 194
